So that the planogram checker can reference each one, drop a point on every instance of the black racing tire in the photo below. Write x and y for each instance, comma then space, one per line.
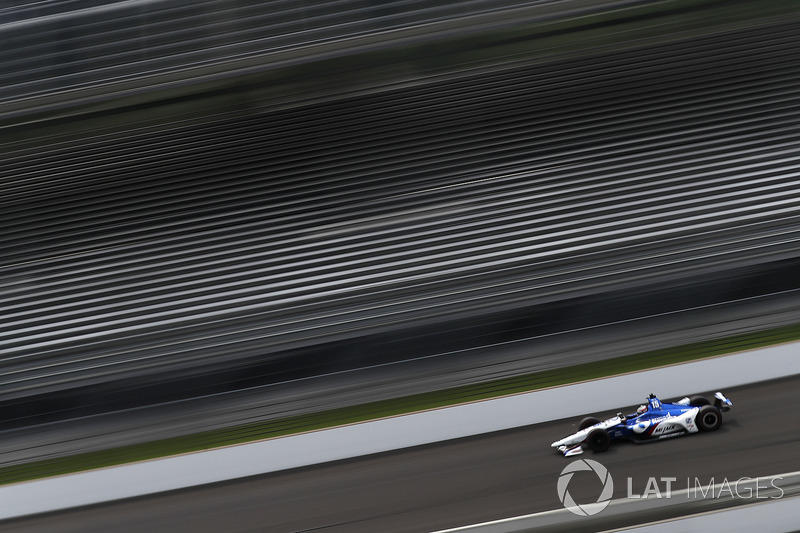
709, 418
698, 401
598, 440
587, 422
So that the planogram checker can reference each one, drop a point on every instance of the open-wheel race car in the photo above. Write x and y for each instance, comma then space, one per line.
652, 421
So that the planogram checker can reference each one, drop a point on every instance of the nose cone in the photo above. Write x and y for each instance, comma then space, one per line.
571, 440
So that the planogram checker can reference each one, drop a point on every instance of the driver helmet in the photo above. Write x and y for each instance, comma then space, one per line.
641, 409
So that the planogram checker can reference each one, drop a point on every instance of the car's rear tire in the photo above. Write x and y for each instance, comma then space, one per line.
588, 422
598, 440
698, 401
709, 418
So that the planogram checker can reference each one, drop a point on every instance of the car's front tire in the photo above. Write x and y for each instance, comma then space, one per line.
598, 440
589, 421
709, 418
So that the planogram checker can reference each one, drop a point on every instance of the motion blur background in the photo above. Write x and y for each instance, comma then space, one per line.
219, 212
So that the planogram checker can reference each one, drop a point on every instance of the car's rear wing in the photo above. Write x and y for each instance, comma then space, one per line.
720, 401
723, 403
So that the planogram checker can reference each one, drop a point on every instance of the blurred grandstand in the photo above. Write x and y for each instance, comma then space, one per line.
206, 196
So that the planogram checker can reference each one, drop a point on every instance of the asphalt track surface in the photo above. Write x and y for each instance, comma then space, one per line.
458, 482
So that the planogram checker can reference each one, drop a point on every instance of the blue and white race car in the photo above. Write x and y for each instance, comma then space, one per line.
652, 421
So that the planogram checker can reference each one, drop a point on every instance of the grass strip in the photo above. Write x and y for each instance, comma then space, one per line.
396, 406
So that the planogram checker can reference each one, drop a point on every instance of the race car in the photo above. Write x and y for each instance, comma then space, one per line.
652, 421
